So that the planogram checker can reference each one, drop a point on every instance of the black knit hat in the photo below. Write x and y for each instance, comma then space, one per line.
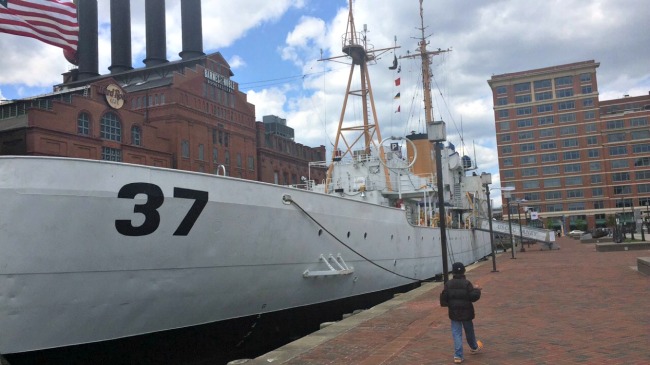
458, 268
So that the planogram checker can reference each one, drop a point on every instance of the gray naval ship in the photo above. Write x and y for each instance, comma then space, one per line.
95, 251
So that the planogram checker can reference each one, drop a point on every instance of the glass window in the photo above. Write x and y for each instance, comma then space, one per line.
573, 167
527, 147
506, 149
567, 118
504, 126
525, 135
508, 174
251, 163
544, 108
545, 120
616, 137
585, 77
201, 152
215, 155
596, 179
615, 124
111, 154
642, 175
576, 206
552, 183
566, 105
542, 84
227, 155
554, 208
620, 176
549, 157
563, 81
546, 95
574, 193
574, 180
551, 170
640, 148
638, 122
525, 160
593, 153
549, 145
571, 155
532, 171
548, 132
525, 111
597, 192
589, 115
522, 87
136, 135
524, 123
569, 130
571, 142
552, 195
590, 127
620, 164
641, 134
594, 166
185, 149
503, 113
586, 89
533, 184
643, 188
110, 127
83, 124
622, 190
505, 138
643, 161
507, 161
564, 93
502, 101
592, 140
588, 102
617, 150
526, 98
239, 160
501, 90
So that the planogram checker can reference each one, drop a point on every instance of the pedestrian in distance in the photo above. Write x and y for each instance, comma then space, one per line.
458, 296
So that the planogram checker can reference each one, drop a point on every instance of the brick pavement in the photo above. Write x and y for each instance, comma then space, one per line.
568, 306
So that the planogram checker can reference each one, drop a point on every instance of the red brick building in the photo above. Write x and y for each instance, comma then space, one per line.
186, 114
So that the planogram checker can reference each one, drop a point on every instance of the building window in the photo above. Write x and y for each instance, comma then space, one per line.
585, 77
502, 101
566, 105
574, 180
507, 161
545, 120
571, 142
589, 115
587, 103
550, 145
615, 124
552, 195
596, 179
534, 184
227, 158
110, 127
525, 135
83, 124
136, 136
622, 190
567, 118
642, 175
185, 149
594, 166
201, 152
620, 164
503, 113
542, 84
251, 163
643, 188
524, 123
500, 91
522, 87
526, 98
564, 93
527, 160
592, 140
239, 161
111, 154
593, 153
546, 95
552, 183
597, 192
506, 150
617, 150
525, 111
616, 137
638, 122
532, 171
573, 167
549, 157
505, 138
640, 148
544, 108
563, 81
574, 193
508, 174
551, 170
586, 89
504, 126
215, 155
643, 161
546, 133
571, 155
568, 130
527, 147
641, 134
576, 206
554, 208
621, 176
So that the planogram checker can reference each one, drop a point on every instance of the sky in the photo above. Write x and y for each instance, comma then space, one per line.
274, 48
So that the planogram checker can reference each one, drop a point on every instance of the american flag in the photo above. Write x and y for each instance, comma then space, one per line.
51, 21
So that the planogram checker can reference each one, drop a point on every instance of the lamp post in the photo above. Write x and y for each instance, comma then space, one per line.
486, 180
521, 234
646, 219
436, 133
507, 195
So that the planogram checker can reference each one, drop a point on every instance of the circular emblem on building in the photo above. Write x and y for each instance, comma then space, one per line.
114, 96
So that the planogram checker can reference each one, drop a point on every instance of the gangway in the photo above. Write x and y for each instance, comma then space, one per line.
546, 237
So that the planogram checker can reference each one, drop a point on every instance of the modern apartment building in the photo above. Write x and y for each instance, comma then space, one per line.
572, 157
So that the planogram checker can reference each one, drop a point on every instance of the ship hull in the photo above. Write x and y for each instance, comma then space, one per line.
93, 251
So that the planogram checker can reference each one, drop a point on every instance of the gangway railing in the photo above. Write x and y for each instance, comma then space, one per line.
541, 235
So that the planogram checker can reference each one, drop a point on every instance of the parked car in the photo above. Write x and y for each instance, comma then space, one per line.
600, 232
576, 233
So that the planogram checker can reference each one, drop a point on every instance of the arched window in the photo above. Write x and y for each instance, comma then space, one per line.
111, 128
136, 136
83, 124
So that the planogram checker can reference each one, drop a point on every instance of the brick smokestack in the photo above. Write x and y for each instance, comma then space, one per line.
154, 14
87, 49
192, 29
120, 36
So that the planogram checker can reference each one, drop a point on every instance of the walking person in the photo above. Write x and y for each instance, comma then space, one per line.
458, 296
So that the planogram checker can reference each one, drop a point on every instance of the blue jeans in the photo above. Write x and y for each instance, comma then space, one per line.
457, 332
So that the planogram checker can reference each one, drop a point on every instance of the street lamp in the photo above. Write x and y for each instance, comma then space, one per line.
486, 180
507, 195
436, 133
521, 234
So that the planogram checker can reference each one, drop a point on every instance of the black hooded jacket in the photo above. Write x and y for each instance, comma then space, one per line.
458, 295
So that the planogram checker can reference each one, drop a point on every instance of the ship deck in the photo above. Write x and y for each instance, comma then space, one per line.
573, 305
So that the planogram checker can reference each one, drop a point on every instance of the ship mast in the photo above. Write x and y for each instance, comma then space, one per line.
356, 47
